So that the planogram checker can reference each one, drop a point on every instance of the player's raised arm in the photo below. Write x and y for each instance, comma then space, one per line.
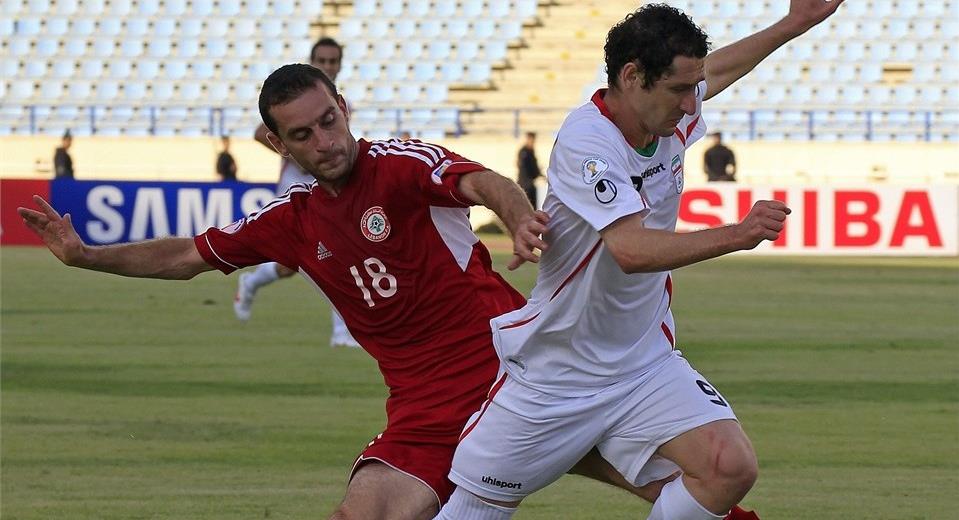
726, 65
638, 249
167, 258
505, 198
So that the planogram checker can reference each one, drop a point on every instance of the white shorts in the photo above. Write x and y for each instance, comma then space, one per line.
523, 439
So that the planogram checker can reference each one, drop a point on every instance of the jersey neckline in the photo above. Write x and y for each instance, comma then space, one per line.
598, 99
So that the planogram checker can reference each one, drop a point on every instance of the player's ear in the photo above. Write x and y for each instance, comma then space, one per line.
630, 76
277, 144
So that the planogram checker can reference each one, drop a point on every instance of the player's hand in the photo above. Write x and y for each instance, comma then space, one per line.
764, 222
528, 238
806, 14
56, 232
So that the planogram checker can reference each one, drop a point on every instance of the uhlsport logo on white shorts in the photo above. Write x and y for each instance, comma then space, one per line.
594, 168
374, 224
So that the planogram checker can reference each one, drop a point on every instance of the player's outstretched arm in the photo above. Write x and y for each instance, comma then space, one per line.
726, 65
638, 249
167, 258
505, 198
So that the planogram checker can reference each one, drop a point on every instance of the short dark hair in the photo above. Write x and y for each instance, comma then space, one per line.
653, 36
286, 84
531, 135
326, 41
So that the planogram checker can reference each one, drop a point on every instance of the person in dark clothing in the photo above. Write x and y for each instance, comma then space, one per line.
225, 165
62, 163
719, 161
528, 168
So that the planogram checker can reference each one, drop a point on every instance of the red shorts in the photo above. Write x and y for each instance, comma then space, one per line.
427, 462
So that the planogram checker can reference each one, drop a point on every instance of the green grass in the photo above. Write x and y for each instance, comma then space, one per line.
140, 399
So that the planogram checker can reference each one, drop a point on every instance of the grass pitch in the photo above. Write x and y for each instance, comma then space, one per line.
139, 399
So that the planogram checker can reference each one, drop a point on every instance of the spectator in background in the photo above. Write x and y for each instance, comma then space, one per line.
405, 135
719, 161
528, 168
62, 163
225, 165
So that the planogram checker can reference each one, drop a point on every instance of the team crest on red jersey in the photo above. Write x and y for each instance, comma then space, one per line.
374, 224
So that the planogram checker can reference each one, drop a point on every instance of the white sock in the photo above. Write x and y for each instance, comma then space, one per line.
464, 505
264, 274
675, 503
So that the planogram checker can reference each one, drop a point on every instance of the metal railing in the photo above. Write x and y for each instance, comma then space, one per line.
932, 124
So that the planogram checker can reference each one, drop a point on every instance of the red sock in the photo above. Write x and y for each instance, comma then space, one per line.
738, 513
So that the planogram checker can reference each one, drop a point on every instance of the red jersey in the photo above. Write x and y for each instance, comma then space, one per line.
396, 256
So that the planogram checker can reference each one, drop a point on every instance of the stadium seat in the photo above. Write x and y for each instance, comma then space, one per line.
298, 28
283, 8
430, 29
870, 72
483, 29
436, 93
147, 69
498, 9
18, 46
107, 91
131, 48
526, 9
471, 8
411, 50
383, 50
844, 73
190, 28
383, 93
231, 70
351, 29
66, 7
214, 48
466, 50
271, 49
418, 10
47, 47
495, 50
120, 69
440, 50
35, 69
164, 27
409, 93
443, 10
852, 52
218, 27
202, 8
458, 29
820, 72
451, 71
109, 26
6, 26
369, 71
404, 29
870, 29
391, 8
136, 27
217, 92
93, 7
246, 92
9, 68
882, 8
21, 89
202, 69
424, 71
258, 8
509, 30
63, 69
161, 90
134, 90
120, 7
243, 49
929, 95
56, 26
398, 71
91, 68
377, 29
158, 48
478, 72
174, 69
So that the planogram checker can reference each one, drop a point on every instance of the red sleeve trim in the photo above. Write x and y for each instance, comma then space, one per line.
210, 256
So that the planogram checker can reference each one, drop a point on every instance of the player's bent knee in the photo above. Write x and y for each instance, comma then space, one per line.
736, 469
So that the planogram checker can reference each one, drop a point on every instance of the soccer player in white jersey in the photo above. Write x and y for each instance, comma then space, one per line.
326, 55
592, 359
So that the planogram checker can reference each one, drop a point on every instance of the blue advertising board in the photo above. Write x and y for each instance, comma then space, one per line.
107, 212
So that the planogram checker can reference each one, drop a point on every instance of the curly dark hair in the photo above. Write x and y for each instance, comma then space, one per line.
286, 84
652, 36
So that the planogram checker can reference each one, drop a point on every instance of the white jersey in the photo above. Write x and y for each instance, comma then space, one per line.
588, 324
290, 174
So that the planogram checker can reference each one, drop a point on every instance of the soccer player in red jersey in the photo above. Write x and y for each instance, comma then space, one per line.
384, 235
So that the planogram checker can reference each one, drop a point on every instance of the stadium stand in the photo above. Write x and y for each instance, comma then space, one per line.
883, 71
